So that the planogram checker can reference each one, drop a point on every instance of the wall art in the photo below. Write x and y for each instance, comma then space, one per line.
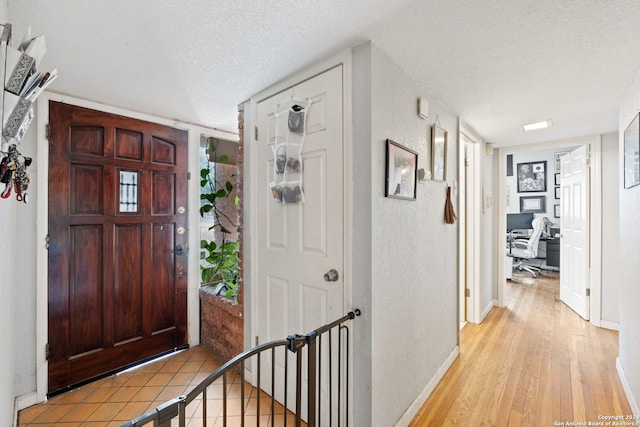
401, 176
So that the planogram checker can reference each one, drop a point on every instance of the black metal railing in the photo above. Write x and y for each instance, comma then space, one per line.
323, 402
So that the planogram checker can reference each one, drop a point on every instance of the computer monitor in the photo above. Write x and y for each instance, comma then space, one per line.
521, 221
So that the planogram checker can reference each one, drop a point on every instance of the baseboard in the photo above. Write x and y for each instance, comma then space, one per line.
635, 408
411, 412
608, 324
487, 309
23, 402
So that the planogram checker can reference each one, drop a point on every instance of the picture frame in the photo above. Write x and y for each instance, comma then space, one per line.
632, 153
556, 211
438, 153
556, 179
532, 177
401, 172
558, 159
556, 193
534, 204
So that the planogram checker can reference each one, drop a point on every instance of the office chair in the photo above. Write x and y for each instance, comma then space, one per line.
521, 249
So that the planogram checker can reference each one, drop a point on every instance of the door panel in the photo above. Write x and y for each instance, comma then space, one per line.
574, 222
117, 290
298, 243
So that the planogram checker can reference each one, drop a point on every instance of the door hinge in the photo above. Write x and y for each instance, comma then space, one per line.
46, 242
257, 341
188, 176
47, 131
47, 352
255, 131
467, 292
588, 292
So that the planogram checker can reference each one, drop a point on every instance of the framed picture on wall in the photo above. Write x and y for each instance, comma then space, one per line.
556, 179
558, 159
534, 204
438, 152
401, 172
532, 177
556, 193
632, 153
556, 211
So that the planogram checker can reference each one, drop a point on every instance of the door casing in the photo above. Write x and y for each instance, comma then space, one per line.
595, 206
251, 192
41, 200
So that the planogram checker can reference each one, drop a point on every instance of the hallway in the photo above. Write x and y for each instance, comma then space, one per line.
531, 363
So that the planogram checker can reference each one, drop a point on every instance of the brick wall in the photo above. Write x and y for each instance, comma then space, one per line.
221, 321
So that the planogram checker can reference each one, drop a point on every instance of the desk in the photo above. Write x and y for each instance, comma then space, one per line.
553, 252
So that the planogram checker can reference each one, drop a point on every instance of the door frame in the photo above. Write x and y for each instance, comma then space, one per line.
42, 217
594, 147
469, 232
251, 191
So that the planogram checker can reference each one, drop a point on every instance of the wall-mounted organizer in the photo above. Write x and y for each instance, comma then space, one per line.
23, 83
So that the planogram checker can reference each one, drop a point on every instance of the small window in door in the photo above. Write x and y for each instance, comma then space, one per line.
128, 191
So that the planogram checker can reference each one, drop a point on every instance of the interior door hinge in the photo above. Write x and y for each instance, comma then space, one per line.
46, 242
47, 131
257, 341
255, 131
588, 292
188, 176
47, 352
467, 292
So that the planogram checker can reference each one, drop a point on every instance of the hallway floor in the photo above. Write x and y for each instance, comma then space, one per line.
532, 363
117, 399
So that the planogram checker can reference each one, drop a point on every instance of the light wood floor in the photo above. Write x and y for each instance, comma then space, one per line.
532, 363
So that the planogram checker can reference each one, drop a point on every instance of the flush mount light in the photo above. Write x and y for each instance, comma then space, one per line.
536, 125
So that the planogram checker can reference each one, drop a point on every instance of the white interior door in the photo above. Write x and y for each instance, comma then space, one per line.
470, 293
574, 227
298, 243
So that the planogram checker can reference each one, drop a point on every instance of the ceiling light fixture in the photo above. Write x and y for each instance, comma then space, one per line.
536, 125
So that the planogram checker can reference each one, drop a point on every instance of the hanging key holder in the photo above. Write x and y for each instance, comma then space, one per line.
13, 174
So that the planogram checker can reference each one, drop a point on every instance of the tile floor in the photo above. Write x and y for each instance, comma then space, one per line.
117, 399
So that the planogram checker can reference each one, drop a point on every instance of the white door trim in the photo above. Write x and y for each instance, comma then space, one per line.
470, 232
251, 193
42, 220
595, 227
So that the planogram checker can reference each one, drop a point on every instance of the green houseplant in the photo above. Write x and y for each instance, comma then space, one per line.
220, 265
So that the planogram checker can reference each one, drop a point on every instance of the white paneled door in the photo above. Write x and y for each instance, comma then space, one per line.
298, 243
574, 229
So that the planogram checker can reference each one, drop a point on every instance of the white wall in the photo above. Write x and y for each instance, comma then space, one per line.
25, 276
629, 267
610, 231
411, 298
10, 263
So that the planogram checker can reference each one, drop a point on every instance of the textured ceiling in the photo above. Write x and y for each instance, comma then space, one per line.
496, 64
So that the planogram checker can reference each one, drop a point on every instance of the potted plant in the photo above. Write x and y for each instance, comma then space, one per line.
220, 267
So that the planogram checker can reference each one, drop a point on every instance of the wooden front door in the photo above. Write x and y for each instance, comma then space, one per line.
117, 242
